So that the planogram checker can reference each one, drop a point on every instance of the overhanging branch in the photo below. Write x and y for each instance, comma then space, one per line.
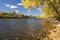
54, 6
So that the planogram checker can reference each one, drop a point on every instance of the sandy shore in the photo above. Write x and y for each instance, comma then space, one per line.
55, 33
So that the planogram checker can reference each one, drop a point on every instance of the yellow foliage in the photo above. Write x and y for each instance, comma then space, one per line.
44, 15
33, 3
26, 3
30, 3
46, 6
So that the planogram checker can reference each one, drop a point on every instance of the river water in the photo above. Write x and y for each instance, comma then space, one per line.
17, 28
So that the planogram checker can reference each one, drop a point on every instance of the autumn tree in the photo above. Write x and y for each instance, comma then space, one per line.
50, 7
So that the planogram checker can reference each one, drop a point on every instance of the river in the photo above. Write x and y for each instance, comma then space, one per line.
17, 28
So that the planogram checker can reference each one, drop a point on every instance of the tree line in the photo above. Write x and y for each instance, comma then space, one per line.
14, 15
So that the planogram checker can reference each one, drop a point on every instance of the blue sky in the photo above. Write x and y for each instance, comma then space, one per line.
16, 6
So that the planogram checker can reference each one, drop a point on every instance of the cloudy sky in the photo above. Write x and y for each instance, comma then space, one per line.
16, 6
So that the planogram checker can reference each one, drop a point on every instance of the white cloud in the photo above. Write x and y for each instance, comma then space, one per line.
19, 4
12, 6
7, 5
16, 11
28, 14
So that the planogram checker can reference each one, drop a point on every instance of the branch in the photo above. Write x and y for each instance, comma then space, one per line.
54, 7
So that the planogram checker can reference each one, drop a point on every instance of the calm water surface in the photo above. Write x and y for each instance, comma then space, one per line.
16, 27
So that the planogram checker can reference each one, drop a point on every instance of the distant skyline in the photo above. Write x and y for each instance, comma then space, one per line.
16, 6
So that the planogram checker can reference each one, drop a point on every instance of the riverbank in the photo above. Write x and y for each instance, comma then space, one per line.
52, 26
55, 33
